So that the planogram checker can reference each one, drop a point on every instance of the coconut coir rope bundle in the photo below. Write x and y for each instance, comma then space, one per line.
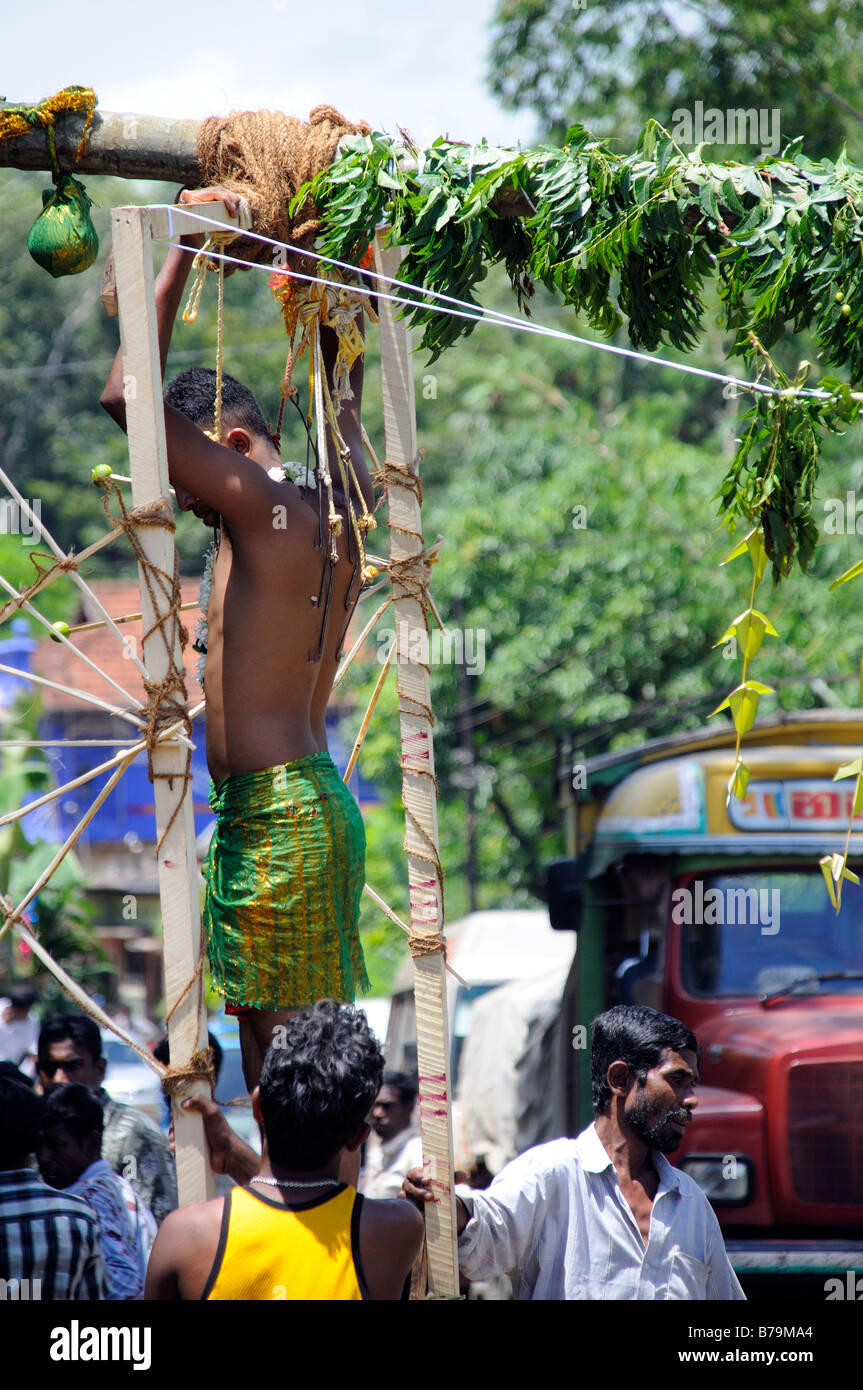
266, 157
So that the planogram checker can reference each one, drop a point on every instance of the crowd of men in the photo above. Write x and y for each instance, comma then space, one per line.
88, 1204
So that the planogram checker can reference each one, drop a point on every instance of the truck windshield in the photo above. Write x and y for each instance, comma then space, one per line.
754, 933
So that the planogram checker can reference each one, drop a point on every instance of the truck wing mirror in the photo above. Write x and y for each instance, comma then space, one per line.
564, 880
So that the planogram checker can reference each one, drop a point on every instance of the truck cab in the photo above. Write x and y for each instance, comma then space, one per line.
719, 915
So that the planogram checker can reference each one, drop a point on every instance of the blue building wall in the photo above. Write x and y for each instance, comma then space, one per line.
129, 809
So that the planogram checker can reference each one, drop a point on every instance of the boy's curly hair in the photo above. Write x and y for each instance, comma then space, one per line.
318, 1084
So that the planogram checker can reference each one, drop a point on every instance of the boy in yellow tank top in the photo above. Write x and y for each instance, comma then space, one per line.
298, 1230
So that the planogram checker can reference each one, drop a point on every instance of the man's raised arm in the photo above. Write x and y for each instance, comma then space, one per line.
169, 287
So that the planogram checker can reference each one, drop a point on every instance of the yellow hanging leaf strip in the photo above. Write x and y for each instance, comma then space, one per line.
754, 687
738, 782
826, 865
754, 544
750, 627
849, 770
852, 573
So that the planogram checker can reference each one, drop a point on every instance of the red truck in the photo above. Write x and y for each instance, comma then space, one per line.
719, 915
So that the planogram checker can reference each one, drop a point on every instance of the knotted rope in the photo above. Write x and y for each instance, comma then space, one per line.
176, 1080
411, 574
268, 158
68, 562
166, 699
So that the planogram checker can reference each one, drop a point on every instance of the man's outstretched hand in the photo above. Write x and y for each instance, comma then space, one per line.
418, 1188
228, 1153
192, 197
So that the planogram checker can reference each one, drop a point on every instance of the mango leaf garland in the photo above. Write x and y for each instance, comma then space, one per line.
635, 238
748, 630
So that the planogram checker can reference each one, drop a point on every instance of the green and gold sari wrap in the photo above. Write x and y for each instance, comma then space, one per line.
284, 875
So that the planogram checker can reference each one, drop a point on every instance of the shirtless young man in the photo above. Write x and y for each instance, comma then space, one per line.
286, 867
297, 1229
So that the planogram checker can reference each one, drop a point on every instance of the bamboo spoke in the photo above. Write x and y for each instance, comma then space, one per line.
359, 642
60, 637
78, 694
361, 736
67, 844
73, 574
137, 747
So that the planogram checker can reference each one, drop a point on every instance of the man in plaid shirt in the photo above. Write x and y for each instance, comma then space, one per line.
48, 1239
70, 1050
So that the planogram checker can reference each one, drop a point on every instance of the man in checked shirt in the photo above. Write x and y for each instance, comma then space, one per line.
50, 1246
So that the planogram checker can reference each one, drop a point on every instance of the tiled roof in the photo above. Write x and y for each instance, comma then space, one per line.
54, 661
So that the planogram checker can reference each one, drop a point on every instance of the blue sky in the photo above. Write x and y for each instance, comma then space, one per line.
390, 62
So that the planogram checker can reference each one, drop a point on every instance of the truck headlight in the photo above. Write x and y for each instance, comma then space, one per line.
725, 1179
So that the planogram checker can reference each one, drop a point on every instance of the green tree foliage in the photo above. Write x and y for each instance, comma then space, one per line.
613, 66
639, 239
581, 537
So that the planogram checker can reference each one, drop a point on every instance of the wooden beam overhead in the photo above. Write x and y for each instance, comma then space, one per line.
132, 146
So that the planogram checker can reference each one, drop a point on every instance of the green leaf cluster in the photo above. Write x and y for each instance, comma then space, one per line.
636, 239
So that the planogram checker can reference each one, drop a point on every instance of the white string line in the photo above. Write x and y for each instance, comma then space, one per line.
74, 575
67, 844
469, 311
34, 613
492, 317
78, 694
81, 997
68, 743
130, 749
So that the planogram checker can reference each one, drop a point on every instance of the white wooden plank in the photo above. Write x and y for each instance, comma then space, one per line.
420, 799
178, 870
175, 220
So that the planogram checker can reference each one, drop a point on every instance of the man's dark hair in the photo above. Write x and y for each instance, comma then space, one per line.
20, 1117
22, 996
81, 1029
76, 1109
403, 1082
636, 1035
318, 1083
193, 393
162, 1053
9, 1072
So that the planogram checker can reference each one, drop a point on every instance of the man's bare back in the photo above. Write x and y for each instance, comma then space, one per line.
268, 677
266, 699
277, 617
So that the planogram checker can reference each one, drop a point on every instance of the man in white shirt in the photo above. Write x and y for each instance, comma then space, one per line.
400, 1147
605, 1216
19, 1028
